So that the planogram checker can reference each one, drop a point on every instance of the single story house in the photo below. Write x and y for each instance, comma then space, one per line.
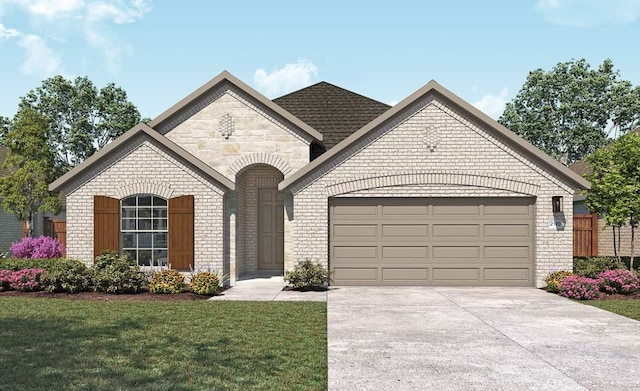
430, 191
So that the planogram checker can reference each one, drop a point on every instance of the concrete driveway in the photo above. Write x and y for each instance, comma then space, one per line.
476, 338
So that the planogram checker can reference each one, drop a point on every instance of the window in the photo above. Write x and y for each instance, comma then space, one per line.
144, 229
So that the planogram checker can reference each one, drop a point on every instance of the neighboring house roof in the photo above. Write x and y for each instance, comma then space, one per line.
331, 110
121, 141
582, 167
229, 78
433, 87
3, 155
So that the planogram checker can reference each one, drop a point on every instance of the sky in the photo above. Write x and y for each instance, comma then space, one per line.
160, 51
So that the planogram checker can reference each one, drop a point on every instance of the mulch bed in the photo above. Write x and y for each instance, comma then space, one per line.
632, 296
144, 295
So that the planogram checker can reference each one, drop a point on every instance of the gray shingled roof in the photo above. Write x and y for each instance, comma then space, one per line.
331, 110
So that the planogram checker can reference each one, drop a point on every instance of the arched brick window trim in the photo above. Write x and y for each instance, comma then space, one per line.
260, 158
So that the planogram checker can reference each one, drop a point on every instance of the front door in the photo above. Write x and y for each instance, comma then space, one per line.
270, 229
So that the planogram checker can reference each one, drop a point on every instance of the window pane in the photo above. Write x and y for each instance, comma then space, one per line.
144, 224
144, 257
159, 224
144, 200
159, 201
129, 241
159, 212
160, 257
131, 254
130, 201
128, 224
128, 212
160, 240
144, 212
144, 240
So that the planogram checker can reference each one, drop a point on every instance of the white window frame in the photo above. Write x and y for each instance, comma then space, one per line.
137, 231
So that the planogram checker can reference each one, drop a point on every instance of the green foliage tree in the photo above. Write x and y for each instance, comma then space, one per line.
30, 163
566, 111
82, 119
5, 126
615, 186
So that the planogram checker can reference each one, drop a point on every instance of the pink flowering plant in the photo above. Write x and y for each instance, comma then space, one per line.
26, 280
579, 288
40, 247
618, 281
6, 276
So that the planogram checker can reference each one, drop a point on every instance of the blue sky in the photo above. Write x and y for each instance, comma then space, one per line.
160, 51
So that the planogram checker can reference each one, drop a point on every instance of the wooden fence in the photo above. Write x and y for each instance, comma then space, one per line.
585, 235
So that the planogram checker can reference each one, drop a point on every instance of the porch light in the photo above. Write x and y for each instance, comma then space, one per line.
556, 201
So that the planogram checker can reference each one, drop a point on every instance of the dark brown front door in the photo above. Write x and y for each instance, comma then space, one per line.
270, 229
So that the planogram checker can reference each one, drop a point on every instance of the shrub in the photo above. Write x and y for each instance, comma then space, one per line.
591, 267
40, 247
579, 288
26, 280
16, 264
6, 276
308, 275
618, 281
166, 281
206, 283
66, 275
116, 274
554, 279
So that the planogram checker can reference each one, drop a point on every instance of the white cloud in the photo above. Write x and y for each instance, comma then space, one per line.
589, 13
53, 9
493, 104
113, 51
6, 33
39, 59
287, 79
393, 102
118, 12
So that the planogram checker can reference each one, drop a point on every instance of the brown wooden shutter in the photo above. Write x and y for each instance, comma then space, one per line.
181, 232
106, 224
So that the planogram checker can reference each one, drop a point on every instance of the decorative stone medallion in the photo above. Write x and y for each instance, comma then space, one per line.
432, 137
226, 126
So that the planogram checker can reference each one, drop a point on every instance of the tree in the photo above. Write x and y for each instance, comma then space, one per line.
615, 186
30, 163
566, 111
82, 119
5, 125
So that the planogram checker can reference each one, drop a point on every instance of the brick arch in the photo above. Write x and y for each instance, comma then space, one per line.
145, 187
433, 178
259, 158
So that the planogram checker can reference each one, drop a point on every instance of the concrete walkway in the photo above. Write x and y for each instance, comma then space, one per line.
476, 339
266, 287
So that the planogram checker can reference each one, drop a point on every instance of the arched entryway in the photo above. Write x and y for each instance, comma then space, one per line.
260, 220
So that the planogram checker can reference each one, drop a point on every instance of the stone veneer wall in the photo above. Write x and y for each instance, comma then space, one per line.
143, 167
249, 182
433, 151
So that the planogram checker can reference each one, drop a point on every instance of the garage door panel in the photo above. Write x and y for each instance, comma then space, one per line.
446, 231
405, 274
351, 232
456, 274
405, 232
437, 241
456, 252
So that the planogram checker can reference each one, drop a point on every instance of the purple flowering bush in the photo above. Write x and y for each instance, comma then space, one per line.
618, 281
579, 288
40, 247
26, 280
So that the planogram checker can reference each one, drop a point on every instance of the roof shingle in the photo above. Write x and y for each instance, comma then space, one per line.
333, 111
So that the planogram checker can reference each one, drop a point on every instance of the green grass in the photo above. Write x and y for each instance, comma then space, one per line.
628, 308
57, 344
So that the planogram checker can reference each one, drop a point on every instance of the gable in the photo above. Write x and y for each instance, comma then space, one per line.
429, 98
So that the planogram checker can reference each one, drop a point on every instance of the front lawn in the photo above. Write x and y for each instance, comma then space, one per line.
624, 307
57, 344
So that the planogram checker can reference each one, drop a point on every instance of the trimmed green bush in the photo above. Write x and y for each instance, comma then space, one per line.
66, 275
308, 275
166, 281
206, 283
554, 279
16, 264
116, 274
592, 266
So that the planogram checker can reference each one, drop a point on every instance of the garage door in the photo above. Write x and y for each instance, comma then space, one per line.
432, 241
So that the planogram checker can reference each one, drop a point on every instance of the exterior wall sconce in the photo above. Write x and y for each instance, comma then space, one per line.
556, 201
